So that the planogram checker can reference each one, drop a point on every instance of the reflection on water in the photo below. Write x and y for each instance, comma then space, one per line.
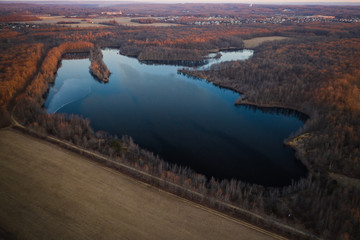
230, 56
212, 59
278, 111
70, 91
186, 121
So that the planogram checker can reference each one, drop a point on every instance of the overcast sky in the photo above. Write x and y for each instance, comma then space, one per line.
247, 1
223, 1
204, 1
357, 2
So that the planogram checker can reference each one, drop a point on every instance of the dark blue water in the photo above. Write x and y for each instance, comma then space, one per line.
189, 122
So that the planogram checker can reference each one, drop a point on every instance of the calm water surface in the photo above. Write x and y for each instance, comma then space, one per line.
185, 121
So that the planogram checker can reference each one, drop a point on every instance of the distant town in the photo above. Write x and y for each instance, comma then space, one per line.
107, 18
230, 20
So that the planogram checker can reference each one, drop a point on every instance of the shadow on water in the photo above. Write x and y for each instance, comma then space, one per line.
278, 111
179, 63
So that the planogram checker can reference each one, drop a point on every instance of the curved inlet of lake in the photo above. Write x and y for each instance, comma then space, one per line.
186, 121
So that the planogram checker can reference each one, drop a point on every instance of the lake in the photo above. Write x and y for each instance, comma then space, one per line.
184, 120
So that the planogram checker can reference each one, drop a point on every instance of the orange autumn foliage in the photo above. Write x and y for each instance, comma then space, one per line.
49, 67
17, 65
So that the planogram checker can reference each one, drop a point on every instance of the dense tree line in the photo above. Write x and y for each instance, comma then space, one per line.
97, 67
144, 20
18, 18
48, 69
17, 65
316, 202
320, 77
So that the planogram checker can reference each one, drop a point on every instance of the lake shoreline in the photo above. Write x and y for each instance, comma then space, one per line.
245, 102
228, 211
246, 149
293, 142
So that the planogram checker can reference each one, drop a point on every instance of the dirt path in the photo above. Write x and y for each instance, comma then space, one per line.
345, 180
50, 193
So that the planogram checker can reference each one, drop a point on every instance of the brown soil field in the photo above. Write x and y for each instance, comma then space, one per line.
254, 42
47, 192
94, 22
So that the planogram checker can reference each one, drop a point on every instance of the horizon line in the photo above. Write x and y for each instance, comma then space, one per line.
267, 2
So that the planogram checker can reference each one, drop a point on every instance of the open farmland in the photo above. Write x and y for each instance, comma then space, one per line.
95, 22
47, 192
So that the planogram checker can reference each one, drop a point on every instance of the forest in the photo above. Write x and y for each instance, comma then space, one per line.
283, 74
97, 67
315, 71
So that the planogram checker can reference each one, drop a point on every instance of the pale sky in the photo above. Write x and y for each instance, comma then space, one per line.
325, 2
201, 1
225, 1
238, 1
